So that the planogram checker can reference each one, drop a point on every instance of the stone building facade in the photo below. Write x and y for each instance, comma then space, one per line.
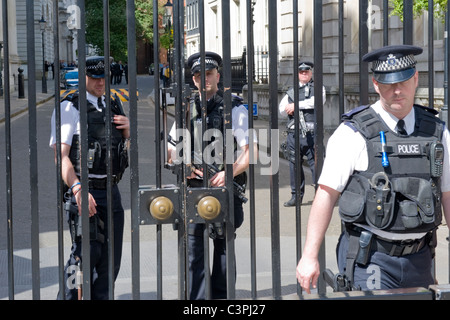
330, 42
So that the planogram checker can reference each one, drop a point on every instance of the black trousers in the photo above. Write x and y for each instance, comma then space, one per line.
389, 272
197, 286
306, 149
98, 250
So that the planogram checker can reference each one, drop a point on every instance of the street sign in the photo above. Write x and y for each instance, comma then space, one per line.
255, 109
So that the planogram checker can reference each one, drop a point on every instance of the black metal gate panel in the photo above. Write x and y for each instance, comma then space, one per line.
175, 204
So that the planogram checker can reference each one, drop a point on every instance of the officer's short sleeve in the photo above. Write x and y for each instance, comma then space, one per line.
445, 179
346, 152
69, 123
239, 116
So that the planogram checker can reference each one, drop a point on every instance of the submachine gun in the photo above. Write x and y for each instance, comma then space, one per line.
96, 225
339, 282
238, 189
291, 124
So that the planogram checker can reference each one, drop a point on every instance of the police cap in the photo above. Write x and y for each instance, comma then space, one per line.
95, 67
305, 65
393, 64
212, 60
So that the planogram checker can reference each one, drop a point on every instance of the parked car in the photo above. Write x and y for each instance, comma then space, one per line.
70, 79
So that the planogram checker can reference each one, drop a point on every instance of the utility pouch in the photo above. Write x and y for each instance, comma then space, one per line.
365, 243
91, 158
288, 153
352, 202
416, 201
380, 202
94, 152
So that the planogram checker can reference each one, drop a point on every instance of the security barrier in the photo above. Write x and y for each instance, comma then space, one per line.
166, 203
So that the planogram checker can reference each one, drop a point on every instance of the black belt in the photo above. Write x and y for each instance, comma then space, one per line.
399, 248
102, 183
308, 131
396, 248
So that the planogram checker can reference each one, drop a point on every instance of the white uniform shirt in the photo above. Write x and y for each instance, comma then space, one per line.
70, 124
346, 150
302, 105
239, 126
70, 120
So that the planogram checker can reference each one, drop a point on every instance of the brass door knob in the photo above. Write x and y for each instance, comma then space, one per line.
161, 208
208, 207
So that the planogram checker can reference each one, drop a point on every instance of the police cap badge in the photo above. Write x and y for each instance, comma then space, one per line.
305, 65
393, 64
95, 67
212, 60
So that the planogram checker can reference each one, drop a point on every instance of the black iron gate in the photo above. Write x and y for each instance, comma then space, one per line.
161, 203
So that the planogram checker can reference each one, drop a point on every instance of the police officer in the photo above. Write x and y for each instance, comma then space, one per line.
306, 107
389, 163
70, 167
215, 121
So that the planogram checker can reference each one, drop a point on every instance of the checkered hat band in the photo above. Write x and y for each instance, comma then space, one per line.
99, 65
394, 64
207, 61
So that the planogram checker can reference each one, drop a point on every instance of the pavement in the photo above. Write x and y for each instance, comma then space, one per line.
148, 240
19, 106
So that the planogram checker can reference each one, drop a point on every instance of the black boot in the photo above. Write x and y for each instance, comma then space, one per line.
291, 202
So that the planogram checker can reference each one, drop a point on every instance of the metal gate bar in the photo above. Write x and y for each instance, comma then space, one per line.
431, 52
230, 260
341, 58
298, 161
363, 49
34, 190
318, 107
85, 247
59, 181
251, 175
9, 208
273, 124
134, 150
385, 22
408, 22
179, 91
447, 87
180, 109
202, 93
108, 130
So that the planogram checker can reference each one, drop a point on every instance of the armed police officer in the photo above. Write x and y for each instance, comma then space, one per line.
215, 122
70, 167
389, 164
306, 123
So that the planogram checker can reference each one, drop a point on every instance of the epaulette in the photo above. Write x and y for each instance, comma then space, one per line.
352, 112
73, 97
428, 109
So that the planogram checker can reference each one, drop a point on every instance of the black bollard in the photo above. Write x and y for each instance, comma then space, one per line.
21, 84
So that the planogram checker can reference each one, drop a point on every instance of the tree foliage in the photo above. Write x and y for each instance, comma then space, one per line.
118, 25
166, 39
419, 6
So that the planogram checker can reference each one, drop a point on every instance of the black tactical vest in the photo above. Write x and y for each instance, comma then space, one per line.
305, 92
97, 142
214, 121
404, 196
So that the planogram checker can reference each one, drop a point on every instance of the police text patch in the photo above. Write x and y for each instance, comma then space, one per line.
408, 149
